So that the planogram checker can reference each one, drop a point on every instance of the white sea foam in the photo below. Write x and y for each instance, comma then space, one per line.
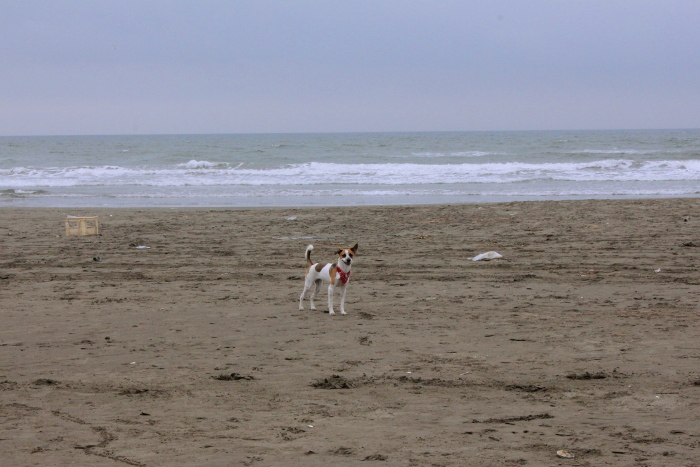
194, 164
203, 173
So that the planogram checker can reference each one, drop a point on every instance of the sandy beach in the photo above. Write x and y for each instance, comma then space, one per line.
583, 338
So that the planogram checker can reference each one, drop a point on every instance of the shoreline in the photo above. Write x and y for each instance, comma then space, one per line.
430, 201
583, 337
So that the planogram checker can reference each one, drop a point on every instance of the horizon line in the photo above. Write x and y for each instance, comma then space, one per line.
340, 132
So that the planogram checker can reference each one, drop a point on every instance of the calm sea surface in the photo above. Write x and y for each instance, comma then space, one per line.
346, 169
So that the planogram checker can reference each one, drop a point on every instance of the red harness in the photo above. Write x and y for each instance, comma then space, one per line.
344, 276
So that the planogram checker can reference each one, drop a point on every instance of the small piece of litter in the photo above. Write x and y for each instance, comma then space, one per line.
292, 218
310, 426
657, 270
487, 256
142, 247
132, 363
565, 454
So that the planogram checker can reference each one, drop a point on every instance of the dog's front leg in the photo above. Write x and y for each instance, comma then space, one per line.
344, 289
331, 289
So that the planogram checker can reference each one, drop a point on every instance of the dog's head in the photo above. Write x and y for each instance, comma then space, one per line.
346, 255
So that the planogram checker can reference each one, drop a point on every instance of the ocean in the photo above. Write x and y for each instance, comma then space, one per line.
346, 169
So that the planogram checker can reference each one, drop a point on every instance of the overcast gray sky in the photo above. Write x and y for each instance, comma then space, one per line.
155, 66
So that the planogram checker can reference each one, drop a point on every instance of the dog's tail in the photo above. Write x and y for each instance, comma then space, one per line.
308, 255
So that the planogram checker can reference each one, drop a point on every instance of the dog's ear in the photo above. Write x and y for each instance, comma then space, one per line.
354, 249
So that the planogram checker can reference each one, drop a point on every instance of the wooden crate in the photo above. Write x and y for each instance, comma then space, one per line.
82, 226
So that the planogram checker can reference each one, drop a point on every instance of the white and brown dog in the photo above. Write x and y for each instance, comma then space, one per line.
334, 274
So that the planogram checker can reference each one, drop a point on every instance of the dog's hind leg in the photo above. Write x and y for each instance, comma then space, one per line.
301, 300
314, 291
303, 294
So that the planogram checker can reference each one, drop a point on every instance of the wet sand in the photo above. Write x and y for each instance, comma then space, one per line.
584, 337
